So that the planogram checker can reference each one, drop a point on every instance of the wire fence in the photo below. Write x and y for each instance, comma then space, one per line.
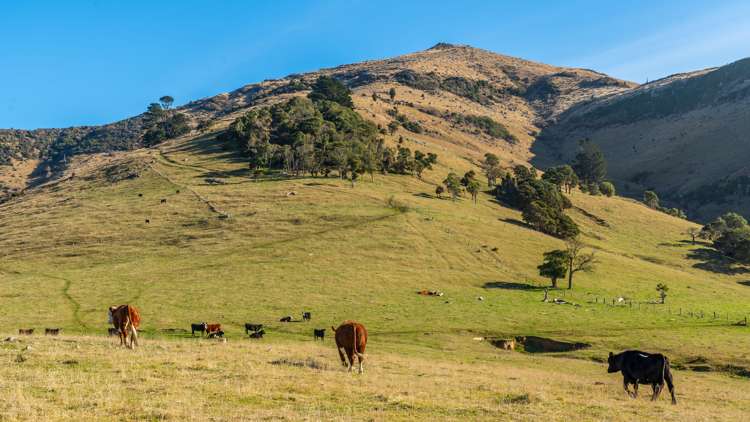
697, 313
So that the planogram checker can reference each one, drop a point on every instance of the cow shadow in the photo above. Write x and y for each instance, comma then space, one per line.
511, 285
715, 262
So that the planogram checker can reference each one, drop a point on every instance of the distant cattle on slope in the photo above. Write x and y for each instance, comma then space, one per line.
51, 331
286, 319
26, 331
252, 328
200, 327
351, 337
258, 334
126, 319
306, 316
642, 368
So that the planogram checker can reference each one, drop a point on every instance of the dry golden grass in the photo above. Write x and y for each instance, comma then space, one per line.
88, 378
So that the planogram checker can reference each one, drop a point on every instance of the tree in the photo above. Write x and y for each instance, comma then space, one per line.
392, 127
662, 289
392, 93
423, 162
453, 185
693, 232
651, 199
439, 191
577, 260
589, 163
562, 176
166, 102
607, 188
554, 266
327, 88
734, 221
473, 187
491, 168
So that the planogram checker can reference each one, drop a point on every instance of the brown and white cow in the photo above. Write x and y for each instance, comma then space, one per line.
126, 319
351, 336
213, 328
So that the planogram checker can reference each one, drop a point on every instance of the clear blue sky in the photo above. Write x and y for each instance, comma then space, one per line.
74, 62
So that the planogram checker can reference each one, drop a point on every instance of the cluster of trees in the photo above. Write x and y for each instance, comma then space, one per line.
320, 134
402, 120
162, 123
455, 185
561, 262
541, 202
730, 235
651, 199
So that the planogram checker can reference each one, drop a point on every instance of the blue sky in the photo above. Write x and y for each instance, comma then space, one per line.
75, 62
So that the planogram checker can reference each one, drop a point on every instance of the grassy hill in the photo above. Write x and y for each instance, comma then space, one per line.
73, 247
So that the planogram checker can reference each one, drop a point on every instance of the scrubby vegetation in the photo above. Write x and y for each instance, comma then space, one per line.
484, 124
730, 234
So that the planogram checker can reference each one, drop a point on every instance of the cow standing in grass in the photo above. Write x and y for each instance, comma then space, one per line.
642, 368
351, 336
126, 319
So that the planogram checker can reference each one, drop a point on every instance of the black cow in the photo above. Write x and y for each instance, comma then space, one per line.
252, 328
200, 327
112, 331
306, 316
286, 319
258, 334
319, 334
642, 368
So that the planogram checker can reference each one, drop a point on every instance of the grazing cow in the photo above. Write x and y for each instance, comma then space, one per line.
112, 331
148, 221
126, 319
306, 316
26, 331
258, 334
352, 337
286, 319
252, 328
319, 333
200, 327
642, 368
216, 334
51, 331
163, 201
212, 328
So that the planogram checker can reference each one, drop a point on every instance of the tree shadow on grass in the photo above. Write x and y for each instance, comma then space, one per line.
715, 262
745, 283
516, 222
511, 285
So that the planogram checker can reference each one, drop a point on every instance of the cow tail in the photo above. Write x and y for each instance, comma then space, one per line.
354, 346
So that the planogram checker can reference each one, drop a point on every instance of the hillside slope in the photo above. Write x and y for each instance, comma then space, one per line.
684, 136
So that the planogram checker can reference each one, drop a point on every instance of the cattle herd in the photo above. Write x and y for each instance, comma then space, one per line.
351, 340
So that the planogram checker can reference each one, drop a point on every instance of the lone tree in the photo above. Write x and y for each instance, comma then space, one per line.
453, 185
554, 266
166, 102
589, 163
662, 289
577, 260
693, 232
473, 188
651, 199
491, 168
392, 93
607, 188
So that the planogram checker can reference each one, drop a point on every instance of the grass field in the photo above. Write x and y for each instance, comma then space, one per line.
71, 249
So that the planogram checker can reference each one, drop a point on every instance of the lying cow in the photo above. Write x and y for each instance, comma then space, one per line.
286, 319
51, 331
216, 334
252, 328
26, 331
258, 334
306, 316
351, 336
200, 327
126, 319
319, 333
642, 368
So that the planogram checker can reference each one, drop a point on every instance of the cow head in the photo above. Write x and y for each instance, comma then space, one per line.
614, 363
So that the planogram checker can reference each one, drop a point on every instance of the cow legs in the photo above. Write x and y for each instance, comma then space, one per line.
657, 390
350, 355
635, 389
670, 385
361, 358
341, 356
627, 390
133, 337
